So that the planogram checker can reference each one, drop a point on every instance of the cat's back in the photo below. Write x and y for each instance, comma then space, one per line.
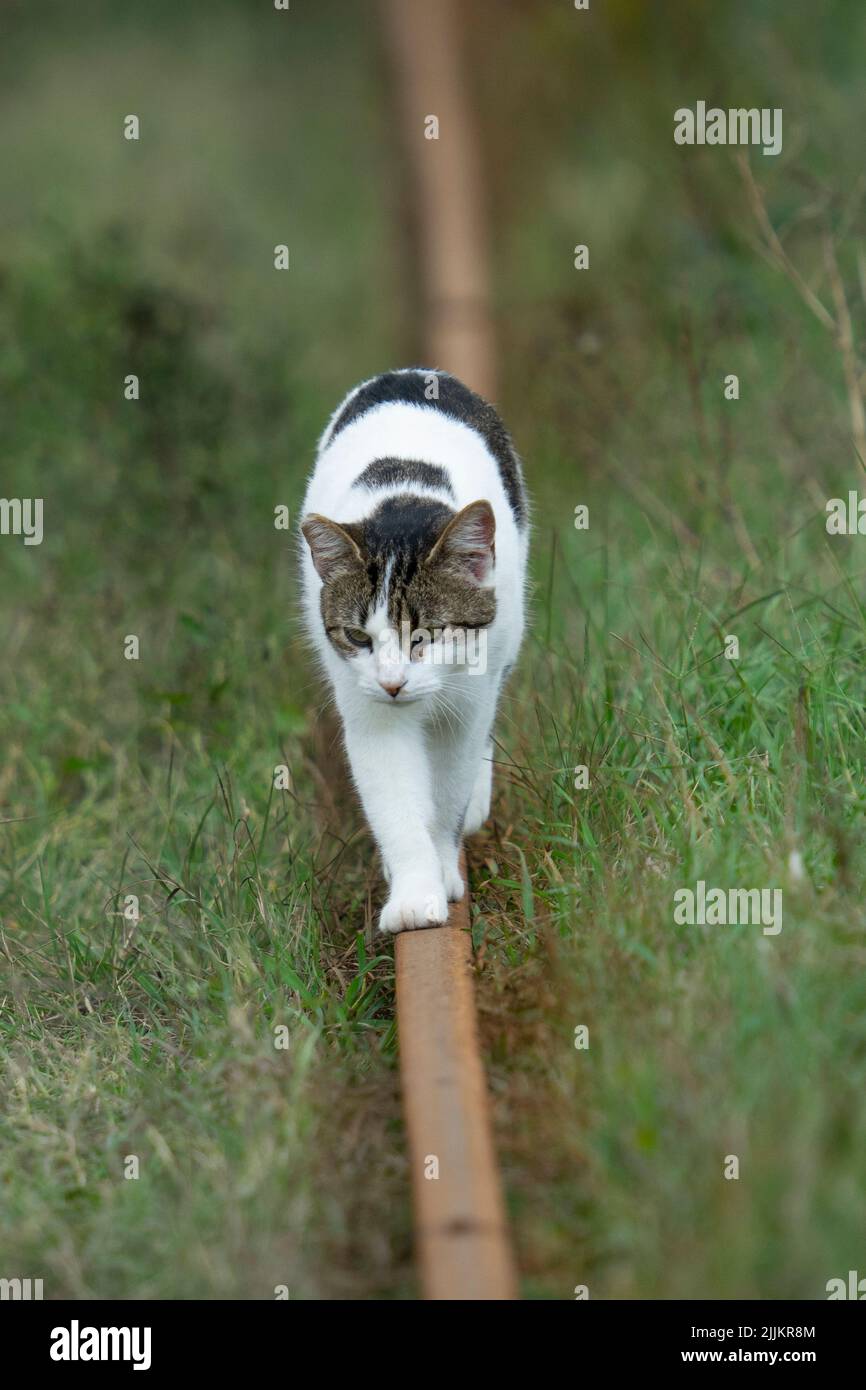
423, 431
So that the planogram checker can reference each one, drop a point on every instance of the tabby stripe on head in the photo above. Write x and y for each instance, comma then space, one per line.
402, 530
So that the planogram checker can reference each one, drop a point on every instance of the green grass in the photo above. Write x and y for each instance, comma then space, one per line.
262, 1166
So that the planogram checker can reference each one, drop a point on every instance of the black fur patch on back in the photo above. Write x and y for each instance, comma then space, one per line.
387, 472
455, 400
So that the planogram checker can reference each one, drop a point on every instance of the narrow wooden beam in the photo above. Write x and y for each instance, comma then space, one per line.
462, 1239
461, 1233
448, 188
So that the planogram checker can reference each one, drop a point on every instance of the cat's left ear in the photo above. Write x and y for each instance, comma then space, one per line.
468, 542
332, 548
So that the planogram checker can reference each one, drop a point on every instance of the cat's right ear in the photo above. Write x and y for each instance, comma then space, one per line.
331, 546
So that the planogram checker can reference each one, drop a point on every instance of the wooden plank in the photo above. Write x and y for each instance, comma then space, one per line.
462, 1239
461, 1232
448, 181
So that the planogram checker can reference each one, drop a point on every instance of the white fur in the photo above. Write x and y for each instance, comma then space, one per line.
422, 762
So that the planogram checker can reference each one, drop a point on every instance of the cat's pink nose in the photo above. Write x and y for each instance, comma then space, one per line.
393, 685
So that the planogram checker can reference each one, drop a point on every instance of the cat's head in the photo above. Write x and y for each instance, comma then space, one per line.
406, 594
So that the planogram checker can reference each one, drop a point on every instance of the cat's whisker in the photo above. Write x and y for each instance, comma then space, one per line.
457, 714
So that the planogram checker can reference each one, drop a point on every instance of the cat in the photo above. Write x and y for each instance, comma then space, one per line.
413, 581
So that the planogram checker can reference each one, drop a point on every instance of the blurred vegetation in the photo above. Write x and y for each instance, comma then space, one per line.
262, 1167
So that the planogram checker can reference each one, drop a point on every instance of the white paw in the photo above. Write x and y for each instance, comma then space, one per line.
418, 901
449, 861
479, 802
453, 879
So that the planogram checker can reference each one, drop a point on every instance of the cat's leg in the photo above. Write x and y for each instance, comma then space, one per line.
390, 767
478, 808
458, 756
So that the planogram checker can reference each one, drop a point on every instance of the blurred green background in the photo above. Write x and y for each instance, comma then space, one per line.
262, 1167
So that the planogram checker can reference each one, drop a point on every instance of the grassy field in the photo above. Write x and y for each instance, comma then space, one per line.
147, 1028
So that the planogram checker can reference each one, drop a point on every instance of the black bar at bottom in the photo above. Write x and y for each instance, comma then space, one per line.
84, 1339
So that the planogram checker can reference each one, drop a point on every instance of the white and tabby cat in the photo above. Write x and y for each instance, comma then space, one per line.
413, 582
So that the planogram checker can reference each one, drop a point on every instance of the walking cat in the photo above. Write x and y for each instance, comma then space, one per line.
414, 573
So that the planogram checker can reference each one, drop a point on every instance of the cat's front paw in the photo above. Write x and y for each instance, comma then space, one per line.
452, 877
478, 809
449, 865
417, 901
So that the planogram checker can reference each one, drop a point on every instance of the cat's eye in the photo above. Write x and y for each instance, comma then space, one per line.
357, 636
